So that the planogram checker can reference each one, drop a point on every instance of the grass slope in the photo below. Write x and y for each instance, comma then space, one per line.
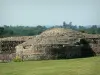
80, 66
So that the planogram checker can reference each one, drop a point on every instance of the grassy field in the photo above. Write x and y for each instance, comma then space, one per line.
80, 66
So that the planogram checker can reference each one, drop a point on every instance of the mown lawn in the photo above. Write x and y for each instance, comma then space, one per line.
80, 66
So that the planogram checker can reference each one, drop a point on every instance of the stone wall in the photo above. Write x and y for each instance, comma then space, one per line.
55, 51
88, 47
6, 57
9, 46
7, 49
95, 45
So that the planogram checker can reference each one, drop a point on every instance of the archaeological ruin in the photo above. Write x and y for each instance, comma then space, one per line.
59, 43
7, 46
56, 43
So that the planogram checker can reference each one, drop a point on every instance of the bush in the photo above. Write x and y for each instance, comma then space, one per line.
82, 31
17, 59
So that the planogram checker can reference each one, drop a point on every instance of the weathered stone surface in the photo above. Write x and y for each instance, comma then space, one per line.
56, 43
7, 45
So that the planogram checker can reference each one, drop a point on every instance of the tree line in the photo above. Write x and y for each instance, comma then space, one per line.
6, 30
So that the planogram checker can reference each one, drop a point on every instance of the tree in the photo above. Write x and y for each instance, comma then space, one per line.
93, 29
70, 23
64, 24
1, 30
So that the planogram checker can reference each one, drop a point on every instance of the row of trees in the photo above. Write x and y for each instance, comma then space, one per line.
30, 31
21, 30
91, 29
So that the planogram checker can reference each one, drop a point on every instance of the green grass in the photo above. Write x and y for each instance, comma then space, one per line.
80, 66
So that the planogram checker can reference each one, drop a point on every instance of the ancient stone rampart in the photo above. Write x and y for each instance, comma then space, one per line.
94, 44
7, 46
49, 51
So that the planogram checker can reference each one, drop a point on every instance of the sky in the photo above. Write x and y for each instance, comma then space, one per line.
49, 12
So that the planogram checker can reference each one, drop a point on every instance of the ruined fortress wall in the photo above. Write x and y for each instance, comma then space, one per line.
96, 49
95, 45
9, 46
9, 43
55, 51
7, 49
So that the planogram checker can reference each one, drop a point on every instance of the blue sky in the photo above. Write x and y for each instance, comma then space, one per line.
49, 12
